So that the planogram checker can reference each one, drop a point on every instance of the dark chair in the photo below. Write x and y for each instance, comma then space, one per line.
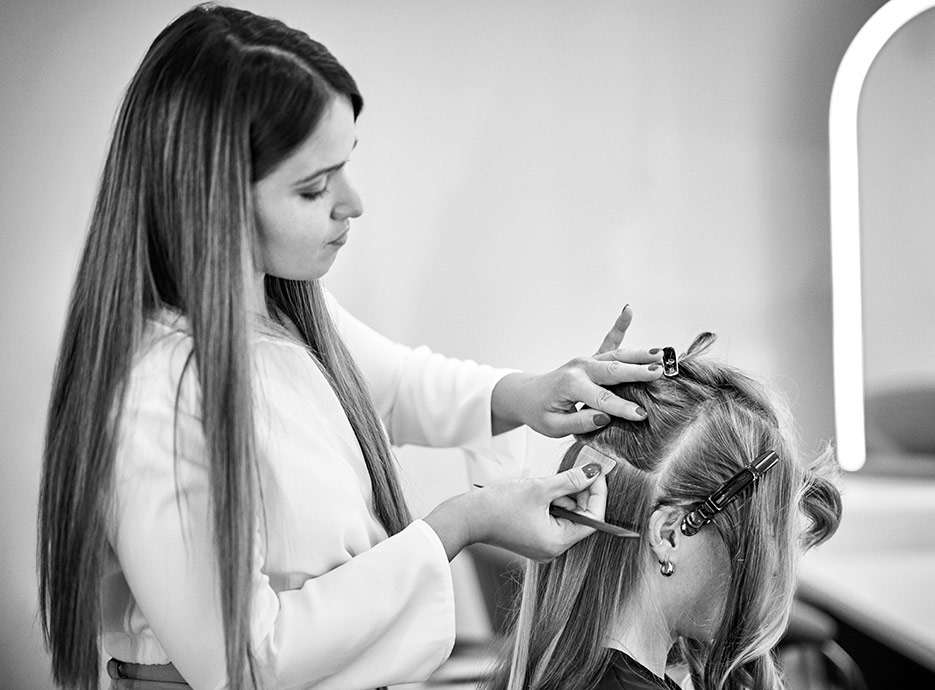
810, 655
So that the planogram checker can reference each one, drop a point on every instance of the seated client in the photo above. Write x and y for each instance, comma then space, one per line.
723, 504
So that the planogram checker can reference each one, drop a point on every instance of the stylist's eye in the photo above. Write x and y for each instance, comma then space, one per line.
313, 194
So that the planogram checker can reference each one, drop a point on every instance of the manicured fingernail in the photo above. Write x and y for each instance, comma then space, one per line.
625, 306
641, 412
653, 367
592, 470
600, 419
655, 351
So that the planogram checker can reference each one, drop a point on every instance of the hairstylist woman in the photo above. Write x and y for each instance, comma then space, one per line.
218, 490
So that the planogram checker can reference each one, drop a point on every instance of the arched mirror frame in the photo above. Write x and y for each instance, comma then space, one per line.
847, 330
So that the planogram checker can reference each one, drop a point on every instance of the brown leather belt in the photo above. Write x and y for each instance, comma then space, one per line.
127, 676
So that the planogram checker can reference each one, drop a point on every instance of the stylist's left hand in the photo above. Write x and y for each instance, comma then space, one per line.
549, 403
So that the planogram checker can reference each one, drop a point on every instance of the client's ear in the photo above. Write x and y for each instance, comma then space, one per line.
664, 533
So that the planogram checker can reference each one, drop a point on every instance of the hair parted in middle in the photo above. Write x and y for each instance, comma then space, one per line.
221, 97
702, 426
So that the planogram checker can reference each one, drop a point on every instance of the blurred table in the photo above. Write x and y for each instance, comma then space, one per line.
877, 573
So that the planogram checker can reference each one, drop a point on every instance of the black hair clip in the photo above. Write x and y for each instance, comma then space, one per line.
670, 362
702, 514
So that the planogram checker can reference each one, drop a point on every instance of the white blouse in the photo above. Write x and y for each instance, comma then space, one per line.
336, 604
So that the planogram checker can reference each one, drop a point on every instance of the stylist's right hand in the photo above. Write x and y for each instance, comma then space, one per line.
514, 514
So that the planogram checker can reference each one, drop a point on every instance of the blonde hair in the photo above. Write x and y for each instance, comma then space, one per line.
702, 426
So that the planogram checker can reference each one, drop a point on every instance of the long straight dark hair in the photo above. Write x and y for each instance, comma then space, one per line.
702, 426
221, 97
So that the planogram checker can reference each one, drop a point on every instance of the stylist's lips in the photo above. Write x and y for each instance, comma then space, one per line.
341, 239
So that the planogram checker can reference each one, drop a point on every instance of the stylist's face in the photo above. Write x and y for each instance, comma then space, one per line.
304, 206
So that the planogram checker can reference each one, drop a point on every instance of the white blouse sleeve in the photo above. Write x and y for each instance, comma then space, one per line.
380, 616
426, 398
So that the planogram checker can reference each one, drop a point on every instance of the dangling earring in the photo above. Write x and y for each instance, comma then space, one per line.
665, 567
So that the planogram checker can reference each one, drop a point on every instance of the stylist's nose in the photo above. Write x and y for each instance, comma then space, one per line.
349, 204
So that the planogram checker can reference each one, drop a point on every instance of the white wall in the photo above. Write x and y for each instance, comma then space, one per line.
897, 179
528, 168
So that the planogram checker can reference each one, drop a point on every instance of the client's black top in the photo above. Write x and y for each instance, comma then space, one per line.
625, 673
